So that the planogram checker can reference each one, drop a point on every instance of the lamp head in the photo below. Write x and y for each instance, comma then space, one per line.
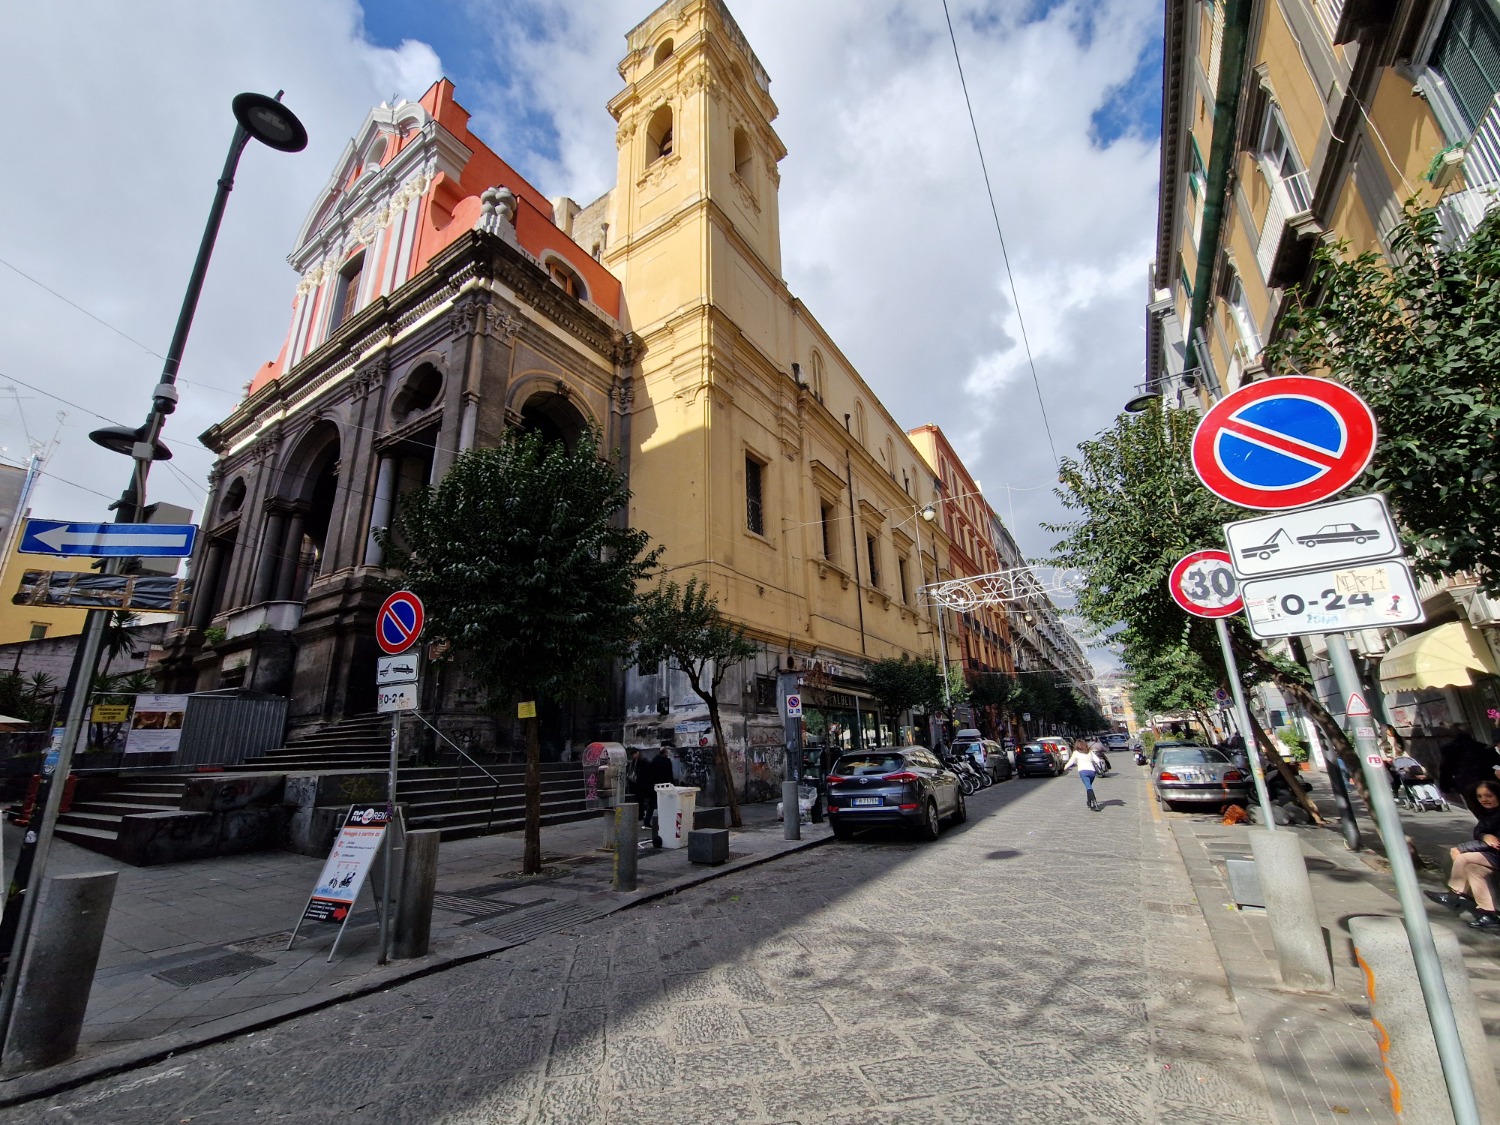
270, 122
929, 513
1141, 403
122, 439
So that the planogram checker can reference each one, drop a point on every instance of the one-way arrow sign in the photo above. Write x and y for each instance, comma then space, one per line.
103, 540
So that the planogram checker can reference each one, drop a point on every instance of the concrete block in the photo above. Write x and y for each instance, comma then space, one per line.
168, 837
1244, 882
52, 991
1418, 1092
413, 930
715, 816
219, 792
708, 845
1301, 949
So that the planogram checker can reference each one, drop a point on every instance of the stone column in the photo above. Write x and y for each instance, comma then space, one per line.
469, 423
272, 536
380, 513
206, 582
291, 554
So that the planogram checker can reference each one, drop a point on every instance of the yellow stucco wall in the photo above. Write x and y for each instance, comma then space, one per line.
16, 621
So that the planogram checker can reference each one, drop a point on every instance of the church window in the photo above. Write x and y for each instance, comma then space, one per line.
742, 165
659, 135
755, 513
571, 283
817, 376
663, 53
346, 294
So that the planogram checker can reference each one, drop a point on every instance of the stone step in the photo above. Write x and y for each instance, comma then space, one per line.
478, 808
115, 807
79, 834
481, 827
105, 821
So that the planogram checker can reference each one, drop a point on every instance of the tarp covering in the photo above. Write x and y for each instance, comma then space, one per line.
1450, 655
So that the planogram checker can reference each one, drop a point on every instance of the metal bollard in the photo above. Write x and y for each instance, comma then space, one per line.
791, 812
626, 818
52, 992
418, 885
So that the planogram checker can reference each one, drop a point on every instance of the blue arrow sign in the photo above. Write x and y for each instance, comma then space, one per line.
106, 540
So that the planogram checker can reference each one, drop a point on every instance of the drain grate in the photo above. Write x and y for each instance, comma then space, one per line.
478, 907
534, 923
1181, 909
201, 972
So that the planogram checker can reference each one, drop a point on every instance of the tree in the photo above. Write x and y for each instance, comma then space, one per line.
525, 568
1139, 508
683, 624
991, 692
906, 684
1417, 336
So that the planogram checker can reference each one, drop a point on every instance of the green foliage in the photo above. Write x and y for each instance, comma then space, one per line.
27, 697
906, 684
683, 624
214, 634
523, 565
1296, 744
1419, 339
1148, 739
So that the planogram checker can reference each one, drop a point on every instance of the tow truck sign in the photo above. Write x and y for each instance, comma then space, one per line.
1339, 533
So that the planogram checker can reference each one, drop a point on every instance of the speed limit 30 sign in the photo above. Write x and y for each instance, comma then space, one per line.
1204, 584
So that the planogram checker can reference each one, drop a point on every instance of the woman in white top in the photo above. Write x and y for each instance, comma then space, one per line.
1083, 760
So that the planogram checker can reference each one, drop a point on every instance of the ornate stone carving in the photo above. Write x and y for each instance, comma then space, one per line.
497, 212
624, 132
623, 394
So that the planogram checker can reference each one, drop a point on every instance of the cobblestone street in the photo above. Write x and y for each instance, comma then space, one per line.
1041, 963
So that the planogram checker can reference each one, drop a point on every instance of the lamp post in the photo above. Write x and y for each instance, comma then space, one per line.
266, 120
928, 514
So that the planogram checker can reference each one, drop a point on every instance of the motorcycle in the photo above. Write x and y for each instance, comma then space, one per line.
968, 775
1140, 758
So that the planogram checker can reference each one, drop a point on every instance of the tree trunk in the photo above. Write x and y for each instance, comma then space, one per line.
1289, 775
531, 864
721, 756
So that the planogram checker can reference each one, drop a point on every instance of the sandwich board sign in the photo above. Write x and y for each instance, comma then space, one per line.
343, 874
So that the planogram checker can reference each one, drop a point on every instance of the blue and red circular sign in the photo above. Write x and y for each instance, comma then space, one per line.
400, 622
1284, 443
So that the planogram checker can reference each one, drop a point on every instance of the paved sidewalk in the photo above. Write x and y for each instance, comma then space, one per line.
1319, 1053
195, 952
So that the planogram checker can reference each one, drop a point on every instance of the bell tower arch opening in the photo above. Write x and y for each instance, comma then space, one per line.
551, 414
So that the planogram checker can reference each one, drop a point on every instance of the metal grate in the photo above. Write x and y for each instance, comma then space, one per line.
480, 907
201, 972
534, 923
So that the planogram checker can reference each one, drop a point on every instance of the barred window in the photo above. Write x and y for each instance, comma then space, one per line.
755, 515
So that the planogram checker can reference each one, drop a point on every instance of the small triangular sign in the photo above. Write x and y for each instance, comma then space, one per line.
1357, 708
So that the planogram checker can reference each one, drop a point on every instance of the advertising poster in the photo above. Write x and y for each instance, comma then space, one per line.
157, 724
348, 864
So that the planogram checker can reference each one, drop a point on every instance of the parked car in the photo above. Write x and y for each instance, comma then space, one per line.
1187, 774
893, 785
1036, 760
1059, 748
988, 754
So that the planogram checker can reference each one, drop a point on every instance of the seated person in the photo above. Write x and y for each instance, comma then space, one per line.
1474, 861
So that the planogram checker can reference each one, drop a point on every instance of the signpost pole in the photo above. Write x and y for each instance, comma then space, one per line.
390, 840
1413, 911
1242, 717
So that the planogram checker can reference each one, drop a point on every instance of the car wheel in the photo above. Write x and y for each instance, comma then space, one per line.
960, 811
1166, 805
842, 831
931, 827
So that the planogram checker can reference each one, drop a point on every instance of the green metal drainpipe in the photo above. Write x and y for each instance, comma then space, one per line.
1220, 160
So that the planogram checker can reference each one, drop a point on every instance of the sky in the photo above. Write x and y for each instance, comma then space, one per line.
887, 231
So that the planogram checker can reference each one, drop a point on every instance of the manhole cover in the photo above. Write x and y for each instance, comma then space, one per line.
201, 972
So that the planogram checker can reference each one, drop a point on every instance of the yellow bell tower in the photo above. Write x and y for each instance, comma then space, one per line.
695, 203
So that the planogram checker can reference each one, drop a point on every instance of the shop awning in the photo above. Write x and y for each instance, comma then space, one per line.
1450, 655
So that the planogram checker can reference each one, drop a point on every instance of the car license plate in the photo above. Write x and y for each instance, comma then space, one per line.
867, 800
1193, 775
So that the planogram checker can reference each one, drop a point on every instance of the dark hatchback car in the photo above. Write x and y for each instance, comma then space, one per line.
1035, 760
893, 785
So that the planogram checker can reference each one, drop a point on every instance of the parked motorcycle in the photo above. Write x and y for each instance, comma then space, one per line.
968, 775
1140, 758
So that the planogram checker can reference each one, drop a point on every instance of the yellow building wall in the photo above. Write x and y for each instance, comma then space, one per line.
696, 243
16, 621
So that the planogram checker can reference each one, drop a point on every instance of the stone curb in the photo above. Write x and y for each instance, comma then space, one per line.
65, 1076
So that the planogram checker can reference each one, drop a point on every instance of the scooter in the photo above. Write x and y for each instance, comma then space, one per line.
1140, 757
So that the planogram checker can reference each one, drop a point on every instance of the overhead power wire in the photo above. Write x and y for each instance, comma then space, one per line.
1004, 254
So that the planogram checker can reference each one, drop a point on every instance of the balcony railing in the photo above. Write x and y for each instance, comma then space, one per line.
1289, 196
1329, 12
1461, 211
1216, 45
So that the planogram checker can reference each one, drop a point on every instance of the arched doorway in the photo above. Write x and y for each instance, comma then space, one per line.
553, 415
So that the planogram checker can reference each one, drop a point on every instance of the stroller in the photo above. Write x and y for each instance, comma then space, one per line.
1414, 788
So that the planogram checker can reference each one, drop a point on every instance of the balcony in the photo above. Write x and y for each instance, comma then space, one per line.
1291, 201
1461, 211
1329, 11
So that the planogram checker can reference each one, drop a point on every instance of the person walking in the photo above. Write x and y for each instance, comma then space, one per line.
1083, 760
1475, 861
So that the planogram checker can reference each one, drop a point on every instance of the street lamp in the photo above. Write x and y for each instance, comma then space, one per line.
266, 120
928, 512
1142, 401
